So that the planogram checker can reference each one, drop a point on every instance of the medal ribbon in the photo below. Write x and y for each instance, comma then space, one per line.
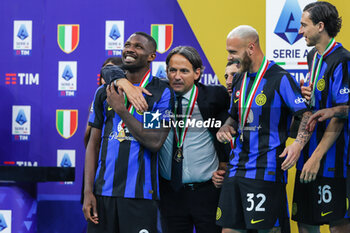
244, 106
180, 138
143, 83
315, 70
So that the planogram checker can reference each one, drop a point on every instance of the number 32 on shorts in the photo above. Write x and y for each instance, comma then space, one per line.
256, 202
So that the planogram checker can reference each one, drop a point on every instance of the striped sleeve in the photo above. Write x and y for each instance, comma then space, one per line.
165, 104
233, 110
291, 94
97, 111
340, 84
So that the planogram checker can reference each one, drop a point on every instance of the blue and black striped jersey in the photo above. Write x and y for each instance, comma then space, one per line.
332, 89
125, 167
276, 100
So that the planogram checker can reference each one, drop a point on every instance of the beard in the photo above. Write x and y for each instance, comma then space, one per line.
246, 63
313, 40
132, 67
138, 64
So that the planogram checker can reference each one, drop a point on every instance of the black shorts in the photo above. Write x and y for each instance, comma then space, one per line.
252, 204
123, 215
319, 202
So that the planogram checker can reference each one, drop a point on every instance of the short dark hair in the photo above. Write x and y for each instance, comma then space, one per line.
117, 61
190, 54
114, 60
150, 40
327, 13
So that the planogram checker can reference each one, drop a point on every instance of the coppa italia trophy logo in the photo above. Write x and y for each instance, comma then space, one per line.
284, 44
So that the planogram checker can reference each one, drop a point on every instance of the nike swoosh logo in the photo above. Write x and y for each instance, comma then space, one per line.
256, 221
109, 108
324, 214
236, 100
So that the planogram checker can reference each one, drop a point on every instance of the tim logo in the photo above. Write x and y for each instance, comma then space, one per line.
151, 120
5, 221
21, 79
289, 22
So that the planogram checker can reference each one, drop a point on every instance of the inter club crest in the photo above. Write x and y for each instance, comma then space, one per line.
68, 37
163, 34
66, 122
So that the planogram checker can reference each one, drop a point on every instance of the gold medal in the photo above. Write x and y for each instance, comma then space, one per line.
121, 135
178, 155
241, 137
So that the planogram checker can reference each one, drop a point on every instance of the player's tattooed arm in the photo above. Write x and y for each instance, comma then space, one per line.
292, 152
342, 112
303, 134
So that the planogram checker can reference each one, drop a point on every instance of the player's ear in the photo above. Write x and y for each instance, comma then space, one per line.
151, 57
250, 48
320, 26
197, 73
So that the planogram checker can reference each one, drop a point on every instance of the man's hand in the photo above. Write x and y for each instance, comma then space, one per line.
320, 115
310, 169
292, 152
134, 94
225, 133
90, 206
218, 178
331, 134
115, 99
306, 91
341, 111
